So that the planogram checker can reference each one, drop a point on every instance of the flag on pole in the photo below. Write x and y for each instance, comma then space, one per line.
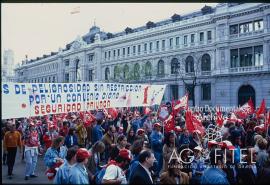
181, 104
169, 124
219, 117
189, 125
245, 110
261, 109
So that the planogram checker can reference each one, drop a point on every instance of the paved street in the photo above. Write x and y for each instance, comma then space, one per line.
19, 169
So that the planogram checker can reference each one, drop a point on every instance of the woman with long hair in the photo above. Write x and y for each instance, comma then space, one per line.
168, 147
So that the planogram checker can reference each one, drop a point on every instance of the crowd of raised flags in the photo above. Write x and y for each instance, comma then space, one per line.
83, 143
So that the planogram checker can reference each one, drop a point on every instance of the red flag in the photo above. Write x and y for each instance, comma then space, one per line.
250, 103
113, 112
181, 104
245, 110
169, 124
219, 117
89, 119
193, 123
147, 110
261, 109
189, 125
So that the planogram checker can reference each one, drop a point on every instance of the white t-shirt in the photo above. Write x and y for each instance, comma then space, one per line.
114, 172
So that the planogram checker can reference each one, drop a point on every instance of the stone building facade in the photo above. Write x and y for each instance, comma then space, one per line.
219, 54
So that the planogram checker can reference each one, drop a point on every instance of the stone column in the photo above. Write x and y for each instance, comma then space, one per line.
197, 95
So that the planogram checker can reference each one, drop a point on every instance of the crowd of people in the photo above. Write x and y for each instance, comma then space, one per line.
133, 148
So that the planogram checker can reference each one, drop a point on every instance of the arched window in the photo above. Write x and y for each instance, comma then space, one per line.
148, 69
126, 71
107, 73
174, 66
206, 63
189, 64
246, 92
160, 67
78, 71
116, 72
136, 71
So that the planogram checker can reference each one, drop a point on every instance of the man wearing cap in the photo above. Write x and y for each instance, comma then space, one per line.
31, 150
115, 171
156, 139
198, 165
12, 140
78, 173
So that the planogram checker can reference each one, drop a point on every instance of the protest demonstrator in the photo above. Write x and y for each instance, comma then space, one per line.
134, 145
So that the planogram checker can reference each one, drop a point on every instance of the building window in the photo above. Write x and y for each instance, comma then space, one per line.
157, 45
258, 55
192, 38
174, 89
209, 35
66, 62
245, 27
49, 79
185, 40
190, 90
128, 50
258, 25
171, 42
90, 57
201, 36
118, 52
105, 55
124, 51
145, 46
189, 64
163, 44
136, 71
139, 48
160, 67
107, 73
134, 49
53, 79
126, 71
175, 65
245, 56
234, 29
206, 92
109, 54
66, 77
148, 69
234, 58
150, 46
91, 75
206, 63
177, 41
114, 53
116, 72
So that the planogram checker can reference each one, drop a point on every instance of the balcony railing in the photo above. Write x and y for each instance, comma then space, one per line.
246, 69
206, 73
233, 36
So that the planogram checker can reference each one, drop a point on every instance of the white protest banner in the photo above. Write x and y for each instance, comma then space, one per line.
37, 99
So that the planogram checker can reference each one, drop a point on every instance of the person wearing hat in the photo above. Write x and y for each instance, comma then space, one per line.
198, 165
115, 171
178, 131
174, 175
31, 142
141, 135
78, 173
156, 139
62, 174
12, 140
50, 135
